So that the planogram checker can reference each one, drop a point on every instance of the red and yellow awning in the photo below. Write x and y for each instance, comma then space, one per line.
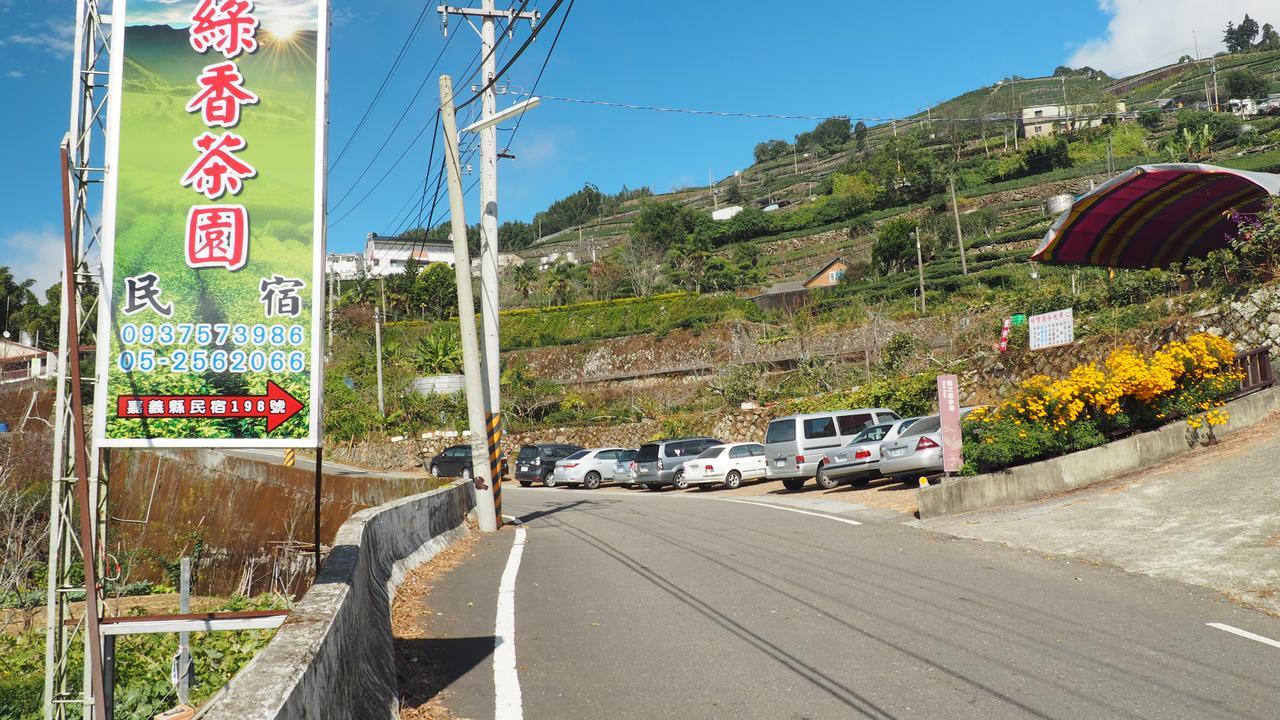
1155, 216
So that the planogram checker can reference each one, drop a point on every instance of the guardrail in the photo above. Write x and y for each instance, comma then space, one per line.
1256, 367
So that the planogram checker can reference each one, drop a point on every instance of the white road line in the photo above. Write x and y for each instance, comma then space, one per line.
508, 704
846, 521
1245, 634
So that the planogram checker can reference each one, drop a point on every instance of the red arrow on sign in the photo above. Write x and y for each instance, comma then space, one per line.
277, 406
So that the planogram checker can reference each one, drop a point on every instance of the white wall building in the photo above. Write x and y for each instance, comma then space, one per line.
1046, 120
387, 256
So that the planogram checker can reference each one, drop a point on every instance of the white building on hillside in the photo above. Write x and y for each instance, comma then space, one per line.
1046, 120
387, 256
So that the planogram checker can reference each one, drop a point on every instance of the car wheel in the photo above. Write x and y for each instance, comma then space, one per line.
466, 474
733, 479
793, 483
435, 471
825, 481
549, 480
678, 481
526, 483
592, 480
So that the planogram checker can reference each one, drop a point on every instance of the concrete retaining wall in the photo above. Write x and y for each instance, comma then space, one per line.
334, 657
1037, 480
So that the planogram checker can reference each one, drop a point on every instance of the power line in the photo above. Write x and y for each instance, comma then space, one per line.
525, 46
511, 138
381, 88
394, 129
497, 43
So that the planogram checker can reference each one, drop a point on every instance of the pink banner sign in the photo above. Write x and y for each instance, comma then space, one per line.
949, 412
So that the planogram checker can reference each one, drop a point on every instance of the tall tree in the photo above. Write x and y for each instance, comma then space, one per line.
860, 136
1242, 84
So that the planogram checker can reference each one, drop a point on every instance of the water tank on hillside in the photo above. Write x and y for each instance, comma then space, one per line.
438, 385
1059, 204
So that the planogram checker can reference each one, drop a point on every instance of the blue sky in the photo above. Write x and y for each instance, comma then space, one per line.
750, 55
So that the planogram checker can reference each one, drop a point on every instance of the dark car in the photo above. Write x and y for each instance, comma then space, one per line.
536, 462
662, 463
453, 461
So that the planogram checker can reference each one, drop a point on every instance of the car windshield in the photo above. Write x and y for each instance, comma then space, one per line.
781, 431
527, 452
875, 432
923, 426
713, 452
578, 455
647, 453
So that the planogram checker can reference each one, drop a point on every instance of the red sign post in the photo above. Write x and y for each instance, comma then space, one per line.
949, 412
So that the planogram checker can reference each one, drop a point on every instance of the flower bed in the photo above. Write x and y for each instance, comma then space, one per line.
1097, 402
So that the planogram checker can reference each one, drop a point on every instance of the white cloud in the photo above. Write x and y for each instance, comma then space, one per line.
34, 253
52, 35
16, 74
1145, 34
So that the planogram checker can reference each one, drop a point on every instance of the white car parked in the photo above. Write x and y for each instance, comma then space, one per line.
727, 465
588, 468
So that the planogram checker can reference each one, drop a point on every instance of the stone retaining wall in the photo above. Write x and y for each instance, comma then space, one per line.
334, 656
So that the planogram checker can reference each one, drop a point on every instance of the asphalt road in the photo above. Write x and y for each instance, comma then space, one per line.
647, 605
276, 457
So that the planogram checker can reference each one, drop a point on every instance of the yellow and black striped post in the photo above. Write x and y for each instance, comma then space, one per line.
497, 462
290, 457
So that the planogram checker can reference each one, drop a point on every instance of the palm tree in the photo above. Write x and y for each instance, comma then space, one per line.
524, 277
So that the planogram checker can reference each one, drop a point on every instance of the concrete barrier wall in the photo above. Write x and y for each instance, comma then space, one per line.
1049, 477
334, 656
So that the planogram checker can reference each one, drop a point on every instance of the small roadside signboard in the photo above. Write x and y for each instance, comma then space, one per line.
949, 413
213, 225
1052, 329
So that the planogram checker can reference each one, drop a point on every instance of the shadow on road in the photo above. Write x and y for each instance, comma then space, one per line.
436, 663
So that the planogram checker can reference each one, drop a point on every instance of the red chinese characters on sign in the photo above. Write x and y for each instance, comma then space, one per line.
223, 93
227, 26
218, 236
218, 171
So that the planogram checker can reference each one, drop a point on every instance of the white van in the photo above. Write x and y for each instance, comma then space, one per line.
794, 446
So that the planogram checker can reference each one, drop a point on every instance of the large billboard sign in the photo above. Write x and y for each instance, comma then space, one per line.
213, 225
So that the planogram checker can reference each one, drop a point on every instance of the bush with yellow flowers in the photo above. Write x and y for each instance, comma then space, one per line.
1125, 393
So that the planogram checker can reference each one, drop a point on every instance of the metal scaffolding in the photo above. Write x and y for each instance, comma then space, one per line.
76, 478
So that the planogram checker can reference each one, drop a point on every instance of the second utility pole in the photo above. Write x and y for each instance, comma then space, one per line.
485, 512
489, 300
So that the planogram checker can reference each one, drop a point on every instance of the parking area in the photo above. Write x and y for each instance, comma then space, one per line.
1211, 518
880, 494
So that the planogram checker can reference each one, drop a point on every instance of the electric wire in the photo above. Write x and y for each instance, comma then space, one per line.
533, 90
386, 79
524, 46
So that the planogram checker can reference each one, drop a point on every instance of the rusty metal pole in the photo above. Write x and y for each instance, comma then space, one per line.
88, 544
316, 514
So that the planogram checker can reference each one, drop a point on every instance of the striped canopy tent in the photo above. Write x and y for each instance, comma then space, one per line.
1155, 216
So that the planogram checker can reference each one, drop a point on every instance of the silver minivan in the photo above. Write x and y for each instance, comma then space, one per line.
794, 446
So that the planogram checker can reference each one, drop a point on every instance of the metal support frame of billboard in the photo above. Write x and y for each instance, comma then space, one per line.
76, 478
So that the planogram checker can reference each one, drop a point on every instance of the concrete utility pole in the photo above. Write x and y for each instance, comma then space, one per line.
1213, 66
964, 265
485, 511
377, 342
489, 296
711, 188
920, 268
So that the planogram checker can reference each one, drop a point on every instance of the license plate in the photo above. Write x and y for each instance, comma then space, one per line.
779, 463
896, 452
842, 458
524, 468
